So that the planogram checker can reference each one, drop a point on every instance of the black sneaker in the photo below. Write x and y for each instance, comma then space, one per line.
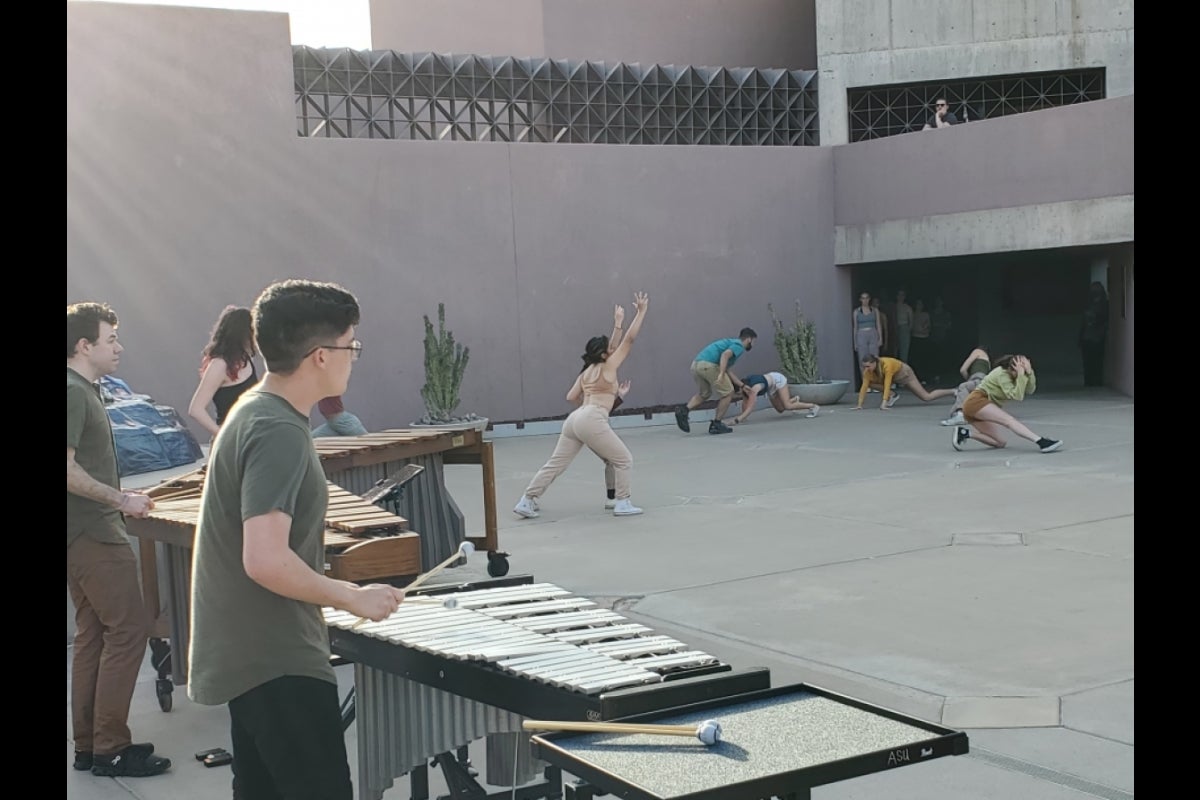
681, 419
961, 434
1049, 445
134, 761
716, 426
83, 758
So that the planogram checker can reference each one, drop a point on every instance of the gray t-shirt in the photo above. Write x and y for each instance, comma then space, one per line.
243, 634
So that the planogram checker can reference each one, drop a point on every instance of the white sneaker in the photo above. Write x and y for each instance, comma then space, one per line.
891, 401
609, 504
527, 508
624, 508
812, 412
954, 419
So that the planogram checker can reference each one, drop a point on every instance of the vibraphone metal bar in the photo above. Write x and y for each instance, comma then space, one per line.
500, 655
357, 463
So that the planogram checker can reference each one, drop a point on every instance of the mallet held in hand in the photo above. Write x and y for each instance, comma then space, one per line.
465, 549
708, 732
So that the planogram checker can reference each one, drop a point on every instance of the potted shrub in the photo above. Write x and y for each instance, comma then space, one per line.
445, 362
797, 348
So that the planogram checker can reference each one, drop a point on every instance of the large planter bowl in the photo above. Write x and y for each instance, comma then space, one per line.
479, 425
823, 393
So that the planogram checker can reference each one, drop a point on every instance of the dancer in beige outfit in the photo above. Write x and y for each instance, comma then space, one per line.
588, 425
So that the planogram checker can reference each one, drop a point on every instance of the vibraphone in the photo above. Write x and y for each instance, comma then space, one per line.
357, 463
430, 679
362, 542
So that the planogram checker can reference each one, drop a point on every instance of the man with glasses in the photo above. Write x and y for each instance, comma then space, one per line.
942, 118
259, 642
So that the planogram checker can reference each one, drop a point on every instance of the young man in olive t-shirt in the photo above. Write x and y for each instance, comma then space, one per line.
258, 640
111, 623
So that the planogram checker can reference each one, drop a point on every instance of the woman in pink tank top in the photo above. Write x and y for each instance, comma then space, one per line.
596, 389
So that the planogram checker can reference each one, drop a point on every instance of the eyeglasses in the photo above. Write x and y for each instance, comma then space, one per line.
355, 347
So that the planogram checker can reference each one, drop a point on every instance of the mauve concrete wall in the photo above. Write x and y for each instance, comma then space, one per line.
730, 33
188, 190
1075, 152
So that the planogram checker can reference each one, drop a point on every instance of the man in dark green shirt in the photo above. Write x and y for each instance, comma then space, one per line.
111, 623
259, 641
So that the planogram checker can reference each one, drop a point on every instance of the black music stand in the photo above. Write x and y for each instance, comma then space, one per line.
777, 742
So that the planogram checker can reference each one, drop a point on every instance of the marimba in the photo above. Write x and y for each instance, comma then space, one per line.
357, 463
430, 679
362, 542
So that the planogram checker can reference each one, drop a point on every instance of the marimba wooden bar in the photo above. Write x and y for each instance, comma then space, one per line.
357, 463
363, 542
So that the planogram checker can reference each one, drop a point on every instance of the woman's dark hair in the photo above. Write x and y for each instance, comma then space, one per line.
868, 358
1004, 362
232, 339
596, 351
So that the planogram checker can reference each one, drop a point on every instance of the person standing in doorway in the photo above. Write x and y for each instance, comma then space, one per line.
1093, 335
904, 323
939, 337
864, 329
919, 346
111, 623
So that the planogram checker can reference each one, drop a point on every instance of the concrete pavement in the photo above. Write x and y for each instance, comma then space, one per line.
988, 591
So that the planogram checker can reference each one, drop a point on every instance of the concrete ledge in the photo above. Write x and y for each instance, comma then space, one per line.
618, 422
1106, 220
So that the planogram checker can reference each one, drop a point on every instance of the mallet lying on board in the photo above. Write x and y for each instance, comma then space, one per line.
465, 549
708, 731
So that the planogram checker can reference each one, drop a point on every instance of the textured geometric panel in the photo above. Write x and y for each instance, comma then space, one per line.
383, 94
877, 111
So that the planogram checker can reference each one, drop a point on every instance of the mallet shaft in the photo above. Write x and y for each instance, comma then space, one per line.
420, 579
609, 727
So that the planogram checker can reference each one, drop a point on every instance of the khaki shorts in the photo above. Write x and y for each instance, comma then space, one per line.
974, 403
705, 375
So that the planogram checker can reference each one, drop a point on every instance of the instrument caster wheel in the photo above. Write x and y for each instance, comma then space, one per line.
497, 564
164, 688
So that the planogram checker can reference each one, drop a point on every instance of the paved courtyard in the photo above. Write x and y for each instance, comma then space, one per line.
987, 591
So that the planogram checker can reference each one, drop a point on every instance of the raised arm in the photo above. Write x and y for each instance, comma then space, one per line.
618, 320
641, 302
210, 381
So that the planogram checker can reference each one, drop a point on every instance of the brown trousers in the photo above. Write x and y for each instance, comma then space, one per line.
111, 628
587, 425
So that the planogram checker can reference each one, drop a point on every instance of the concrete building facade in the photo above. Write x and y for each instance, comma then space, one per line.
189, 189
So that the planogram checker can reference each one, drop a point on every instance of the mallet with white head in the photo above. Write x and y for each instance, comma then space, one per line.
708, 732
465, 549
